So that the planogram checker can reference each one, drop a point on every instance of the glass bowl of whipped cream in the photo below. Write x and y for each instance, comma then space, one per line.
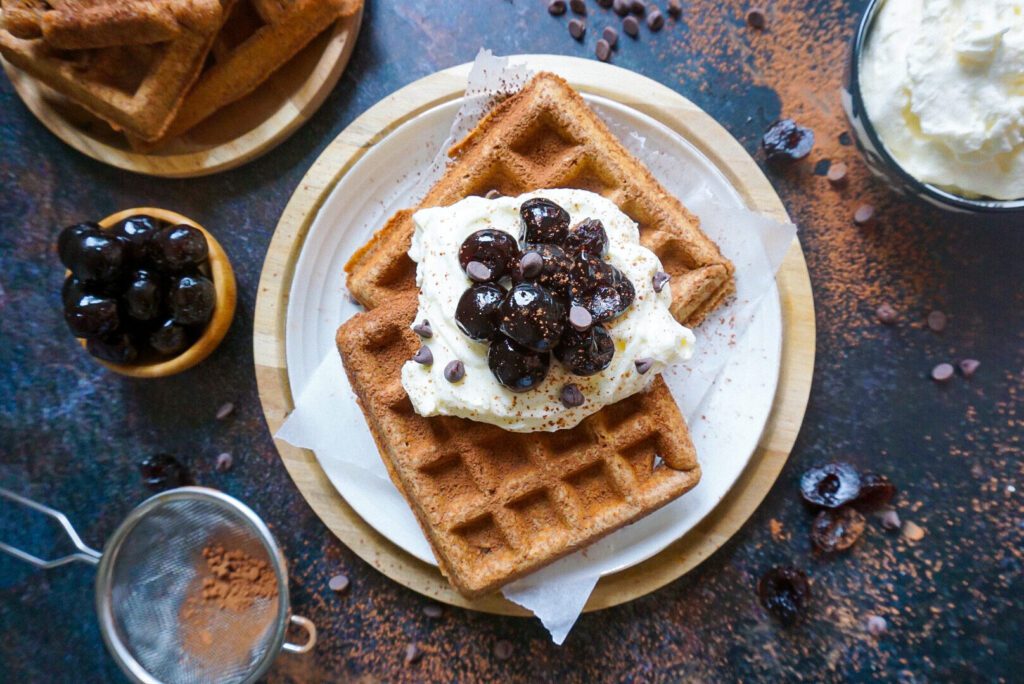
935, 97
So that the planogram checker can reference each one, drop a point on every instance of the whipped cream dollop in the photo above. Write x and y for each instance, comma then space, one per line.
943, 84
646, 330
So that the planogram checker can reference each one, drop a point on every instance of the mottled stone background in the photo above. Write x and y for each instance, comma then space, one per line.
71, 433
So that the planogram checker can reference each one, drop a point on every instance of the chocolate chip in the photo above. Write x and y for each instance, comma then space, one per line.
423, 356
225, 410
503, 650
556, 7
631, 26
338, 583
413, 653
655, 20
432, 610
675, 7
454, 371
822, 167
942, 373
578, 6
845, 139
937, 321
224, 462
610, 35
890, 519
423, 329
756, 19
572, 396
531, 264
643, 365
605, 3
577, 28
492, 194
837, 174
968, 367
603, 50
876, 625
621, 7
659, 280
886, 314
864, 215
580, 319
637, 6
478, 271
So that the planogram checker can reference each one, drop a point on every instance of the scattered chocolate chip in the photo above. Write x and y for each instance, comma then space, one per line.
423, 356
864, 215
413, 653
454, 371
675, 7
822, 167
610, 35
478, 271
603, 50
643, 365
968, 367
530, 264
432, 610
659, 280
338, 583
621, 7
631, 26
224, 462
890, 519
225, 410
578, 7
638, 6
784, 593
756, 19
913, 531
655, 20
423, 329
577, 28
837, 174
556, 7
886, 314
604, 3
492, 194
837, 530
580, 318
503, 650
876, 625
572, 396
937, 321
942, 373
845, 139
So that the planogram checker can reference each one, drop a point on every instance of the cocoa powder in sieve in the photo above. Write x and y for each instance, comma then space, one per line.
236, 579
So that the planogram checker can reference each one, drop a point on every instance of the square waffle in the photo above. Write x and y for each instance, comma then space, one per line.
136, 88
546, 136
496, 505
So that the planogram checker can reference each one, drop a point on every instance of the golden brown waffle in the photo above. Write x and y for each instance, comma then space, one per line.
496, 505
136, 88
547, 137
258, 37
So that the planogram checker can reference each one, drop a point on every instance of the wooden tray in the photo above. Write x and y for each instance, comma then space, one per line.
637, 92
230, 137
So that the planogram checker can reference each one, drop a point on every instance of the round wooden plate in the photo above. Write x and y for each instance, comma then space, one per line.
658, 102
230, 137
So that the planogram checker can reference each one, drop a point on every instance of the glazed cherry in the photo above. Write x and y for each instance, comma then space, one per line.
191, 299
116, 348
91, 316
875, 490
163, 471
177, 248
785, 593
143, 296
495, 249
587, 236
586, 353
830, 485
169, 339
71, 238
516, 367
786, 142
72, 290
837, 530
600, 288
136, 232
543, 221
532, 317
97, 258
477, 311
554, 273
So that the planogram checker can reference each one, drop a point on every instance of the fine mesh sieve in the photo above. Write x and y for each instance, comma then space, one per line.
150, 590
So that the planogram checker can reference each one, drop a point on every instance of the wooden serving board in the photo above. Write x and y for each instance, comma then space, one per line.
658, 102
230, 137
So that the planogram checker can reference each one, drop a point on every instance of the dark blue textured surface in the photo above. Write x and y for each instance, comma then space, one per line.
71, 433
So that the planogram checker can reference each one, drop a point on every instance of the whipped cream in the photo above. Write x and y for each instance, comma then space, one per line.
943, 84
645, 330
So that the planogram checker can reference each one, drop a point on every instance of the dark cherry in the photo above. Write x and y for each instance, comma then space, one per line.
600, 288
143, 296
785, 593
177, 248
72, 290
554, 273
543, 221
97, 258
169, 339
532, 316
91, 316
515, 366
116, 348
587, 236
477, 311
495, 249
136, 232
831, 485
587, 352
191, 299
71, 237
163, 471
875, 490
786, 142
837, 530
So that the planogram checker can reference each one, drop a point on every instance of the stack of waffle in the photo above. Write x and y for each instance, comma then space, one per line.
155, 68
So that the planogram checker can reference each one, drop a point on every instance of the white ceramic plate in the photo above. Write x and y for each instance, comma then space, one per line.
383, 181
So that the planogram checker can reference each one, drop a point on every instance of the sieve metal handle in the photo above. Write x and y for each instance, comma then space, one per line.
84, 554
306, 624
